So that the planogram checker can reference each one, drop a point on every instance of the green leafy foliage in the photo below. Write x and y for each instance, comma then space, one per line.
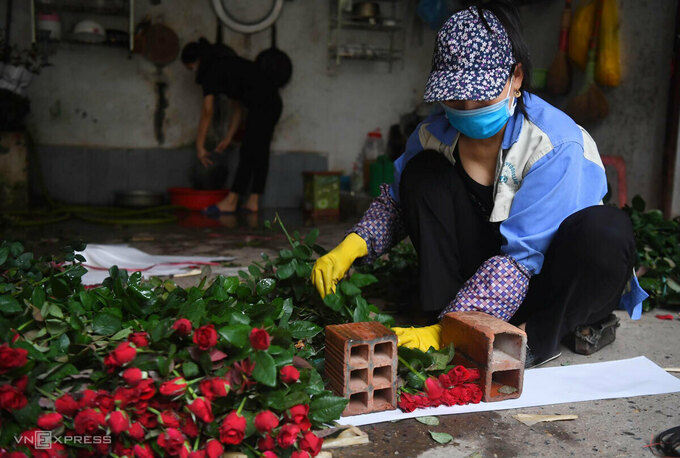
658, 249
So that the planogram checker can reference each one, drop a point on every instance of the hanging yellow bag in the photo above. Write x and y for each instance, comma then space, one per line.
608, 65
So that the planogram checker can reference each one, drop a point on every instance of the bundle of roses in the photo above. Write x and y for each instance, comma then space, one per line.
258, 408
454, 387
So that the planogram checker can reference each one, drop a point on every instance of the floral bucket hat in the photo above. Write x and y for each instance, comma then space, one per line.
470, 61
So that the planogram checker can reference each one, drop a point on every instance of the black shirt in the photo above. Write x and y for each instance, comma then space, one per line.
237, 78
481, 195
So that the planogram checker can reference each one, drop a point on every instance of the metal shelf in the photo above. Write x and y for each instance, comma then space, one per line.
359, 25
122, 11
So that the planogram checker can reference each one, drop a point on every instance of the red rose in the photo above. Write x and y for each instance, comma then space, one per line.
289, 374
298, 415
433, 388
288, 435
14, 455
136, 431
461, 374
21, 383
88, 421
182, 326
266, 443
50, 421
220, 387
11, 398
66, 405
445, 381
214, 449
132, 376
299, 454
266, 421
232, 429
259, 339
143, 451
205, 337
119, 449
118, 422
170, 419
310, 443
104, 401
406, 402
88, 398
475, 393
202, 409
140, 339
124, 396
148, 419
269, 454
146, 389
461, 394
189, 427
473, 374
124, 353
11, 358
197, 454
173, 387
172, 441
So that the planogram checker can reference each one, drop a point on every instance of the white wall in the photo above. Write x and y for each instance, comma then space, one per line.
333, 113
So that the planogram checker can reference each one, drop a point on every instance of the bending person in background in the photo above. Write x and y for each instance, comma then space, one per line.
501, 195
243, 82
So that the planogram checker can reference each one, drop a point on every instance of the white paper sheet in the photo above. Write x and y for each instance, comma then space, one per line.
99, 258
558, 385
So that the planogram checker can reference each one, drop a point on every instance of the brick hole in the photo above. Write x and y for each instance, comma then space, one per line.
382, 377
358, 355
358, 402
382, 354
507, 349
382, 399
358, 379
501, 378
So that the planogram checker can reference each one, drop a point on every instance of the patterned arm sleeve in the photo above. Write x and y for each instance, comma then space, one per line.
497, 288
381, 227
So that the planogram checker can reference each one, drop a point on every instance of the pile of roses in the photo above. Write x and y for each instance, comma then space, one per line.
452, 388
143, 415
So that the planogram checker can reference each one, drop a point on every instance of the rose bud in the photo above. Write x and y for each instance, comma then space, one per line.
66, 405
259, 339
172, 441
173, 387
299, 454
132, 376
269, 454
182, 327
196, 454
202, 409
266, 421
289, 374
170, 419
136, 431
433, 388
205, 337
189, 427
88, 421
140, 339
50, 421
266, 443
311, 443
143, 451
11, 358
298, 415
214, 449
232, 429
124, 353
21, 383
288, 435
118, 422
11, 398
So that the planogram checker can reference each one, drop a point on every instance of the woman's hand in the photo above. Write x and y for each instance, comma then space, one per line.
223, 145
330, 268
203, 156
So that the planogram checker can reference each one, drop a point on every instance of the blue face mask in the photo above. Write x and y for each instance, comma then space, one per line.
482, 122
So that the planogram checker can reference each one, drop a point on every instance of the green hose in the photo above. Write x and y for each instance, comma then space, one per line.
57, 212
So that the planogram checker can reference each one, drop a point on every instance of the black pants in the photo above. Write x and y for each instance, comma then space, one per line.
584, 272
253, 163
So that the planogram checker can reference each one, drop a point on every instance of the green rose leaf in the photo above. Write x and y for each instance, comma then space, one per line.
28, 416
38, 297
325, 408
230, 284
265, 286
302, 252
286, 270
312, 236
304, 329
9, 305
360, 280
265, 368
289, 400
236, 335
106, 324
430, 421
4, 253
349, 289
61, 373
334, 301
442, 438
190, 369
303, 270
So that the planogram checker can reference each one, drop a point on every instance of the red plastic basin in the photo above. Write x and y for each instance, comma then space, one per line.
195, 199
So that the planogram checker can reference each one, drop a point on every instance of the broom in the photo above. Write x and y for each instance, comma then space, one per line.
590, 104
559, 77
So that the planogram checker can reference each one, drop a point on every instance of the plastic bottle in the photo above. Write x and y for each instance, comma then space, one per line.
357, 178
374, 146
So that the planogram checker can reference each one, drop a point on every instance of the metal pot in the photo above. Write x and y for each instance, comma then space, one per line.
366, 10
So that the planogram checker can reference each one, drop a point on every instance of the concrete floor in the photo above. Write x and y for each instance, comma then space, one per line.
620, 427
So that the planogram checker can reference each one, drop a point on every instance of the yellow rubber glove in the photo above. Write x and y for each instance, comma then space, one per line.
420, 338
330, 268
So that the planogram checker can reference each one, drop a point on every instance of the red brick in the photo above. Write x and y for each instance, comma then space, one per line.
496, 348
361, 365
